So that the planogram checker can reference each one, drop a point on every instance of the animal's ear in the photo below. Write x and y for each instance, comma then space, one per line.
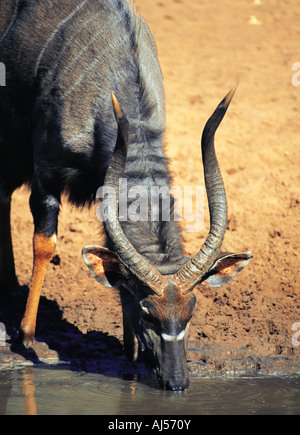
225, 268
104, 265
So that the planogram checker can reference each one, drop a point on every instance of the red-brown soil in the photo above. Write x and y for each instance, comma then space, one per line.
205, 47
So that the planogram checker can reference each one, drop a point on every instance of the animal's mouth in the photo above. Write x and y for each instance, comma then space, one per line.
173, 385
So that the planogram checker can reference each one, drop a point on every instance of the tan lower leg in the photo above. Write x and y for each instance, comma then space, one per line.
43, 251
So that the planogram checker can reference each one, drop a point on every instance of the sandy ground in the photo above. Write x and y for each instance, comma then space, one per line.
204, 47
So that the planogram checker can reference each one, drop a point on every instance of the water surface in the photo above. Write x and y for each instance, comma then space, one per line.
43, 390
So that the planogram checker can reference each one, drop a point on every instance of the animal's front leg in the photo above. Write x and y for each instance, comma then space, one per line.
43, 251
131, 344
45, 209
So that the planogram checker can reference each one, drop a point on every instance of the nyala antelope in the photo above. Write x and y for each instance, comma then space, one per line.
62, 130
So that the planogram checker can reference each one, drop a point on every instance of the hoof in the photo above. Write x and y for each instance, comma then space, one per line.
25, 339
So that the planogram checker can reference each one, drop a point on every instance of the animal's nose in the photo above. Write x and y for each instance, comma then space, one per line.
175, 385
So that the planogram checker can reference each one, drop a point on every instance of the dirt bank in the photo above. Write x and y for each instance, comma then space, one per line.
205, 47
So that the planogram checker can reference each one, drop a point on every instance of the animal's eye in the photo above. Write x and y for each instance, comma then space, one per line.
148, 318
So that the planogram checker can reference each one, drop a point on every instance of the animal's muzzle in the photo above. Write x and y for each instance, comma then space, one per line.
173, 372
175, 385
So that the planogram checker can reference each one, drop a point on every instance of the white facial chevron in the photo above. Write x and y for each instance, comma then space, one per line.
178, 337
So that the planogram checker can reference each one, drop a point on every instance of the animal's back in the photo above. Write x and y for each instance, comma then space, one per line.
62, 60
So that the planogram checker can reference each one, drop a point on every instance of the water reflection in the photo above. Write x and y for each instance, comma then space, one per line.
42, 391
28, 389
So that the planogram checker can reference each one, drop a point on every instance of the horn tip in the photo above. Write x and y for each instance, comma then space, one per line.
116, 105
230, 95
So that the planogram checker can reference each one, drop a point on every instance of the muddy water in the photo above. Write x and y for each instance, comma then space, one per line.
41, 390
